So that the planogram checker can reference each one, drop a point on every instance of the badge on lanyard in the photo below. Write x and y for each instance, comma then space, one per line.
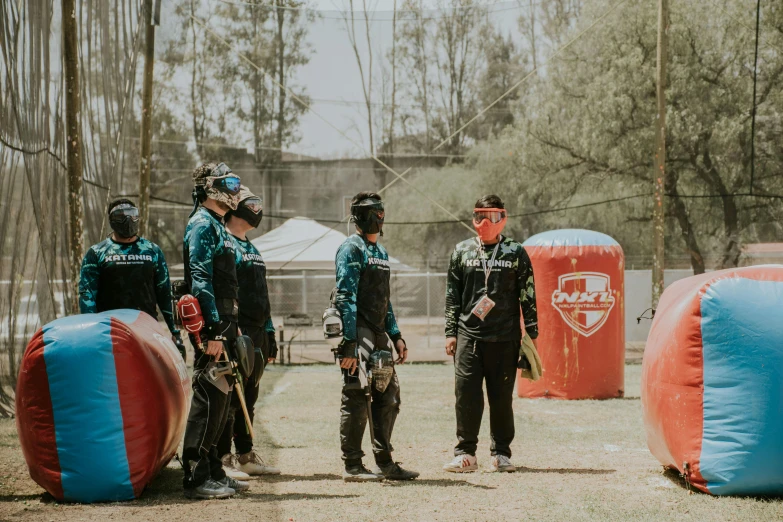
485, 304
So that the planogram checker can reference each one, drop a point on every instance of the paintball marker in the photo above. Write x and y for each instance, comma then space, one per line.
238, 364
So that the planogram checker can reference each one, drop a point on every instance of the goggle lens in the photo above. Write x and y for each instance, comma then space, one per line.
253, 205
120, 214
494, 216
230, 184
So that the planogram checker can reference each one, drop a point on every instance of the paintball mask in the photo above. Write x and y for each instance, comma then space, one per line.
215, 182
333, 323
124, 220
368, 215
489, 222
244, 355
249, 208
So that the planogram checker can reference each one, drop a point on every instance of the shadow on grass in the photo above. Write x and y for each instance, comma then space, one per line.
299, 478
567, 471
435, 482
272, 497
43, 497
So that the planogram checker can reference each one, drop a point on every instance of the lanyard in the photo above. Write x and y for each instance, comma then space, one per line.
491, 262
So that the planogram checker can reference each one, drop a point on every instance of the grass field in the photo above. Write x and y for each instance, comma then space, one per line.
578, 460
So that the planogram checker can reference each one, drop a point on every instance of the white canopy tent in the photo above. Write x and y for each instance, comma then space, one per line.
304, 244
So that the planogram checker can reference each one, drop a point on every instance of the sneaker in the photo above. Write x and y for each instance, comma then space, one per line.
462, 464
393, 471
231, 468
502, 464
209, 490
359, 473
236, 485
252, 464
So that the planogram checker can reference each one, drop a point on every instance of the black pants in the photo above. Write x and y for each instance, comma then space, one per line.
236, 427
208, 412
475, 362
353, 411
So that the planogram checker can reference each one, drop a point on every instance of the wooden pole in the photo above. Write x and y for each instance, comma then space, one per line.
146, 120
660, 155
73, 146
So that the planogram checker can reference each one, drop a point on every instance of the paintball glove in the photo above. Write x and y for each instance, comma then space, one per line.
348, 349
272, 345
180, 345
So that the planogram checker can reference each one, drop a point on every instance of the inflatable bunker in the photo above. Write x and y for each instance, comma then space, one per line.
580, 277
101, 405
712, 380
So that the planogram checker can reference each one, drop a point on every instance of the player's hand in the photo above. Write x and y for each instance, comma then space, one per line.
402, 351
349, 363
270, 359
214, 348
451, 345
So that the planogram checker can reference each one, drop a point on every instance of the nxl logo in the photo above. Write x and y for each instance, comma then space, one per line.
584, 300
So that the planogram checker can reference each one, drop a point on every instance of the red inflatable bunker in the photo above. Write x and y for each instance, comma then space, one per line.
581, 315
101, 405
712, 392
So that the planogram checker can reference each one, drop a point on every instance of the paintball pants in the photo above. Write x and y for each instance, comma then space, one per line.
475, 362
353, 412
235, 423
208, 411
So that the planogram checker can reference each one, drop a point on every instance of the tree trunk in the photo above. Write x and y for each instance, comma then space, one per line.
659, 175
73, 146
683, 219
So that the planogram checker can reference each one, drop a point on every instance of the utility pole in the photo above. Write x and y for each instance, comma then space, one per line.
146, 120
660, 154
73, 146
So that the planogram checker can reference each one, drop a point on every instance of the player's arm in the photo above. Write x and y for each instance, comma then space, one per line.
453, 293
88, 283
348, 263
201, 253
163, 290
526, 284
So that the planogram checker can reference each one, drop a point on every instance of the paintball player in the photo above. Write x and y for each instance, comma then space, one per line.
489, 277
362, 298
127, 271
210, 273
255, 321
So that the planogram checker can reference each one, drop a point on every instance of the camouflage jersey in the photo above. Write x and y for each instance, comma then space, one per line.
210, 267
254, 307
511, 283
363, 289
126, 275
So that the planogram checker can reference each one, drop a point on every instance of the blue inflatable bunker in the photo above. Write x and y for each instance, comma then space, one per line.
101, 405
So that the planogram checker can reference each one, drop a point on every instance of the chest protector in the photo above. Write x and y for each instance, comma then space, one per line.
372, 299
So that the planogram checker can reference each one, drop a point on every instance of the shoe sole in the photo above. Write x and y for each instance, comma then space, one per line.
207, 497
467, 469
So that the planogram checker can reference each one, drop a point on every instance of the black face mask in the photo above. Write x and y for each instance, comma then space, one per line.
124, 221
368, 216
250, 210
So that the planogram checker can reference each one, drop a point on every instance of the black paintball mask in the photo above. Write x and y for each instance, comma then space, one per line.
124, 220
250, 207
368, 215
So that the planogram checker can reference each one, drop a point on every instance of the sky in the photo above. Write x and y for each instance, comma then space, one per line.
332, 78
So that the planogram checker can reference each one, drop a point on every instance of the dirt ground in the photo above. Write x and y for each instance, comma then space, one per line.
578, 460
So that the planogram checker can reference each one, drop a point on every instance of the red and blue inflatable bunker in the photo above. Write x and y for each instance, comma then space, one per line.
712, 392
580, 277
101, 405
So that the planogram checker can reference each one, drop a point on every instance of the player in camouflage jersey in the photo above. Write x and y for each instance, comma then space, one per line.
368, 323
490, 277
127, 271
255, 321
210, 274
